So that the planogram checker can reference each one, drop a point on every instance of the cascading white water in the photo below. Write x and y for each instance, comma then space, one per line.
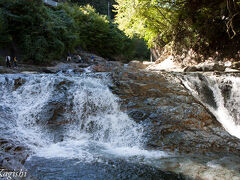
26, 103
90, 109
93, 131
100, 114
220, 94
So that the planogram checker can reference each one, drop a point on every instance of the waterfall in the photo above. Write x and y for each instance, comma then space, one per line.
66, 115
220, 94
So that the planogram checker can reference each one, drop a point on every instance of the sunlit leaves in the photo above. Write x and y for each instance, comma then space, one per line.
146, 18
198, 24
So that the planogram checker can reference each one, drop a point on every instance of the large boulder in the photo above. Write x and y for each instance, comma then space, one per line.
174, 119
137, 64
205, 67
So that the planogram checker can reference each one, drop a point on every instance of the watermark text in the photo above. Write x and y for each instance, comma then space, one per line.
11, 174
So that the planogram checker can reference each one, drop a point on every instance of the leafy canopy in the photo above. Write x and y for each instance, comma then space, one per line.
183, 23
44, 34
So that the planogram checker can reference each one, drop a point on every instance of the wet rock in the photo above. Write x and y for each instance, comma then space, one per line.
4, 70
18, 82
100, 68
205, 67
58, 67
87, 57
207, 95
138, 114
178, 122
226, 87
47, 70
83, 65
55, 110
148, 63
219, 67
236, 65
13, 154
53, 113
191, 69
229, 70
137, 64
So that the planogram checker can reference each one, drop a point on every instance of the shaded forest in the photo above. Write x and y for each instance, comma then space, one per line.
103, 7
44, 33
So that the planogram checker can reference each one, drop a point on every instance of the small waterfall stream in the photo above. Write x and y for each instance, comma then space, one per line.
69, 118
220, 94
75, 129
87, 102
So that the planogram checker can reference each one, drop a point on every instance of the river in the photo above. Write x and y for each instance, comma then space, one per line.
74, 129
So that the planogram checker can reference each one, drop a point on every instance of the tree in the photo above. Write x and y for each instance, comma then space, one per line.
42, 33
46, 33
97, 33
100, 6
198, 24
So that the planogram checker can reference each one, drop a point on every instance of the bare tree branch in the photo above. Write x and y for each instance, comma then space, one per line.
229, 24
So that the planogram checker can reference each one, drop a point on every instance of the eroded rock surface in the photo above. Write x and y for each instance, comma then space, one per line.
12, 154
177, 121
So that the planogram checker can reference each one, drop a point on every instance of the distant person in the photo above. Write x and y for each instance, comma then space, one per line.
69, 58
8, 60
92, 58
79, 59
15, 61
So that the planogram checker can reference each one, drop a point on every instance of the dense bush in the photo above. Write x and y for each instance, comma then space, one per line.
183, 24
5, 38
97, 33
44, 34
100, 6
2, 61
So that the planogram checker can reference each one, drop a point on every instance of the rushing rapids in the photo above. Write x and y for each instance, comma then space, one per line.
86, 102
74, 128
220, 94
68, 116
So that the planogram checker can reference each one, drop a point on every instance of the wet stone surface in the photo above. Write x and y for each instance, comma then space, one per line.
179, 122
45, 169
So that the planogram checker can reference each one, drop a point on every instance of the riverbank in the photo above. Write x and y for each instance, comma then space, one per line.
98, 64
178, 130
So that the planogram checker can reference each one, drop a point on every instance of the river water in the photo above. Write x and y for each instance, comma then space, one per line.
96, 142
75, 129
220, 94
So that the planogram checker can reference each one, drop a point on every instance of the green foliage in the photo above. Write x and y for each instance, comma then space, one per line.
96, 33
42, 33
100, 6
147, 19
5, 38
2, 61
141, 51
183, 23
46, 34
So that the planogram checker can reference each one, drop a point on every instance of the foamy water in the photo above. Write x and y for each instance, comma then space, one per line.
97, 127
227, 110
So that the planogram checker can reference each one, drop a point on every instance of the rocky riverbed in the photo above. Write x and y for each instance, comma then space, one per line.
174, 121
178, 121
